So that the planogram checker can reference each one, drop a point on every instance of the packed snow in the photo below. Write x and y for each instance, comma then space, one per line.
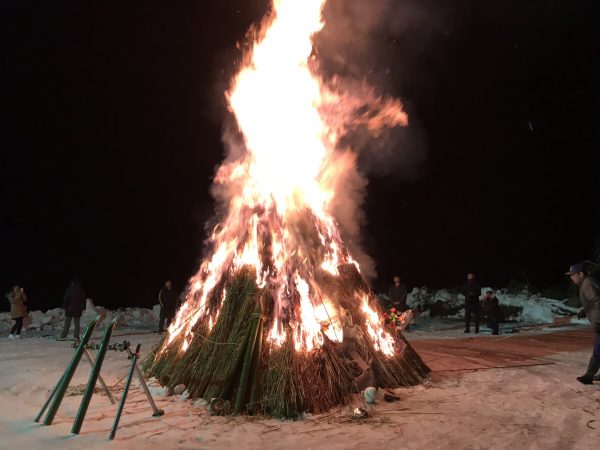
535, 407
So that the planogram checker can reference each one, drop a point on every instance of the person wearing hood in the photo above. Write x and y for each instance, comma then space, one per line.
589, 294
74, 305
18, 310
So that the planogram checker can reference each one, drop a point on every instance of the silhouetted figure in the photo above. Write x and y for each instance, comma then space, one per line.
167, 298
493, 311
398, 295
74, 305
18, 310
472, 291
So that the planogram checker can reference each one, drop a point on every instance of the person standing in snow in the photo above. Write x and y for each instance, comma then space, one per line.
398, 295
167, 298
589, 294
18, 310
74, 305
471, 289
493, 311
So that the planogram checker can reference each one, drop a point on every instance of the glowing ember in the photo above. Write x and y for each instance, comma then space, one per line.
282, 185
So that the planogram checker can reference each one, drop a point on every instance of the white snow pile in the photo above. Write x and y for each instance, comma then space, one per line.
524, 306
53, 319
534, 308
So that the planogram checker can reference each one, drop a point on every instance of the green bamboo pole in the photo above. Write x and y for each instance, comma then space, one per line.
89, 390
235, 367
90, 359
115, 425
156, 412
256, 363
247, 360
61, 388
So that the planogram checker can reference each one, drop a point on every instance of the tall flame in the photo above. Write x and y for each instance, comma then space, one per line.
286, 178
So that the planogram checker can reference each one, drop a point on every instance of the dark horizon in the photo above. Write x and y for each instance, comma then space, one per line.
112, 132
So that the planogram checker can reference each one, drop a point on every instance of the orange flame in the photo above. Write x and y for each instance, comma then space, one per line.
290, 121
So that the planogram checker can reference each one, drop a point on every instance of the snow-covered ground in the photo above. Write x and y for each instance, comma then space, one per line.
536, 407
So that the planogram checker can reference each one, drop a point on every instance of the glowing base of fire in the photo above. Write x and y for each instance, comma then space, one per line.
283, 378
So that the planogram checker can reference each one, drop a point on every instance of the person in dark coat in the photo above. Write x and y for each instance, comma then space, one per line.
471, 289
18, 310
493, 311
589, 294
74, 305
167, 298
398, 295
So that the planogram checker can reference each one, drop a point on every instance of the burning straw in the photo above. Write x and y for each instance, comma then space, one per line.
281, 381
278, 318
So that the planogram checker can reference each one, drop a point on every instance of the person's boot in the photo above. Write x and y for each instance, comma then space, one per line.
593, 367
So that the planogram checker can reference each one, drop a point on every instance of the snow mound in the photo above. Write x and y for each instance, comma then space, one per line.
522, 306
53, 319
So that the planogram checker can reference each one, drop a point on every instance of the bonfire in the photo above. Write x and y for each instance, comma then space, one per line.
279, 319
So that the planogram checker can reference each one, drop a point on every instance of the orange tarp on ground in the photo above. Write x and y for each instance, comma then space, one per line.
487, 352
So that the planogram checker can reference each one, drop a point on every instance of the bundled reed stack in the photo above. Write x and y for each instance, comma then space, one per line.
237, 362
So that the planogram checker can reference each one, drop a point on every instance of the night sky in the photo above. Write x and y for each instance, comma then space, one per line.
111, 131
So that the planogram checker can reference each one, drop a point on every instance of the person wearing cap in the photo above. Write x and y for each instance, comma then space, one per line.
589, 294
398, 293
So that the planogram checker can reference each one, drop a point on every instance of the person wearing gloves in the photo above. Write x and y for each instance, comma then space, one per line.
589, 294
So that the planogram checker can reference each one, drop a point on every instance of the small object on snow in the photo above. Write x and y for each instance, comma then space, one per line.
369, 394
178, 390
216, 406
390, 397
561, 320
360, 413
200, 403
